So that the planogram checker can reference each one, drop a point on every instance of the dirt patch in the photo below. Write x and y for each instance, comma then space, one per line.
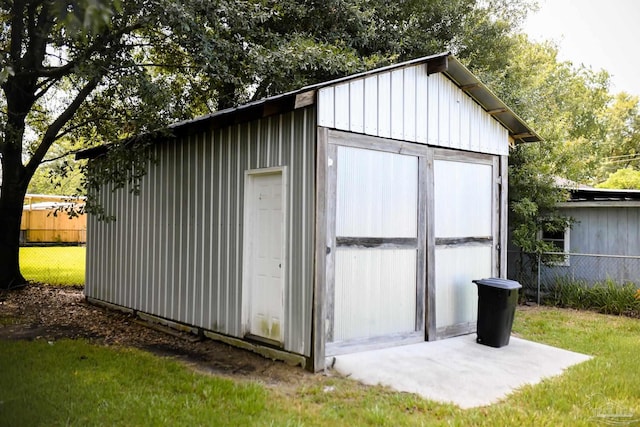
53, 313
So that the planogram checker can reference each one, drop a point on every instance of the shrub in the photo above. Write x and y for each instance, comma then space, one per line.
606, 297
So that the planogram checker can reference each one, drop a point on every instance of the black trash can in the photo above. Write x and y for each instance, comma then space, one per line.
497, 299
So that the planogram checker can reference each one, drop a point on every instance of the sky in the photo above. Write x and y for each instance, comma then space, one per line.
601, 34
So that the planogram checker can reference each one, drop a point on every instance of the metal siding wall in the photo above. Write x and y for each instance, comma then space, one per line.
605, 230
175, 250
407, 104
633, 230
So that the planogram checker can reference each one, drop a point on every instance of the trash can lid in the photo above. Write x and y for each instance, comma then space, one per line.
497, 282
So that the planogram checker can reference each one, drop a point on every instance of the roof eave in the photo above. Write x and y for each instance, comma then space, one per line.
472, 86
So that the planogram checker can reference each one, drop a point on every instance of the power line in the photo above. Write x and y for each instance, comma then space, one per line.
621, 156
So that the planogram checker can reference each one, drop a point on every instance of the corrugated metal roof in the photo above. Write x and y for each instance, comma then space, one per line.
603, 195
470, 84
443, 62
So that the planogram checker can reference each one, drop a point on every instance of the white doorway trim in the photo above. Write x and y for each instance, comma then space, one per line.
270, 332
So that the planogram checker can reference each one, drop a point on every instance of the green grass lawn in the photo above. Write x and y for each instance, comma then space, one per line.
57, 265
75, 383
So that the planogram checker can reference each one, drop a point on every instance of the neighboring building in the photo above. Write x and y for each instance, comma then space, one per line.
602, 243
604, 238
45, 220
345, 215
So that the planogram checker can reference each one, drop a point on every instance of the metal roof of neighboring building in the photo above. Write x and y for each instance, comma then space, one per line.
583, 194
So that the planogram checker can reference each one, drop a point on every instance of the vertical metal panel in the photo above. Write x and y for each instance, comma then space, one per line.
341, 106
220, 308
225, 225
196, 310
484, 124
410, 101
466, 107
455, 121
210, 304
422, 105
433, 113
356, 106
164, 236
148, 224
205, 247
364, 307
326, 110
384, 105
371, 105
464, 196
444, 107
123, 294
397, 104
475, 136
175, 251
173, 209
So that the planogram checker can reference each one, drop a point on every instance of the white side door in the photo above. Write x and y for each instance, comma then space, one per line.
264, 254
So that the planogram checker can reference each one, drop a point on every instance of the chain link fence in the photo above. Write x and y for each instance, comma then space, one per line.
540, 274
54, 265
35, 237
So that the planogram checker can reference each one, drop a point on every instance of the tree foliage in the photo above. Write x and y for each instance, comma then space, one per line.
620, 147
78, 73
623, 179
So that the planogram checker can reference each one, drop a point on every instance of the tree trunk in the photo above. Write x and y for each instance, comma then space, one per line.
11, 201
15, 180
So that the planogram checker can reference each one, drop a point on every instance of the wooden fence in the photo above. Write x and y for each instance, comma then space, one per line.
44, 222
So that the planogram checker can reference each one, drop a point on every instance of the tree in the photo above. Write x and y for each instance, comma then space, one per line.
77, 73
92, 71
620, 147
624, 179
533, 198
561, 103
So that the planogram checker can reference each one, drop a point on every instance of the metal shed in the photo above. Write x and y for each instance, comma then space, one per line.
346, 215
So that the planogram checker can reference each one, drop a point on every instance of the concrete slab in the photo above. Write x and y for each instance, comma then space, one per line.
458, 370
